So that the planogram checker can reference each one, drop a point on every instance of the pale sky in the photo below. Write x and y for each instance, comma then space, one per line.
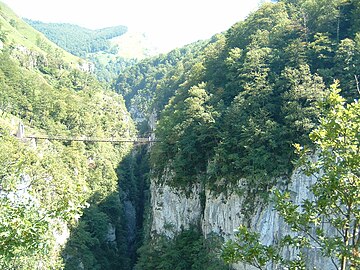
169, 23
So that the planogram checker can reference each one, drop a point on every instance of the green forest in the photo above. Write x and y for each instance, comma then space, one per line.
251, 103
256, 85
46, 186
78, 40
233, 107
94, 46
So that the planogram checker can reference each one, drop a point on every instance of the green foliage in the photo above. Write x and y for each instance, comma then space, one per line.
30, 210
229, 108
299, 108
336, 203
134, 185
248, 249
29, 44
93, 45
89, 244
262, 79
24, 234
107, 70
44, 185
337, 188
347, 62
3, 34
89, 111
23, 224
149, 85
187, 113
110, 230
187, 251
78, 40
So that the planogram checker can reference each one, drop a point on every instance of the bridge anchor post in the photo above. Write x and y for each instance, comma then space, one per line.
21, 131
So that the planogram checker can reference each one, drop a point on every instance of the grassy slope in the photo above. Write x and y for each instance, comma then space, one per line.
134, 45
19, 32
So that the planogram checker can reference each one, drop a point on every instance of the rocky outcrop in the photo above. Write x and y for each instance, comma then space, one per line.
28, 58
174, 210
87, 67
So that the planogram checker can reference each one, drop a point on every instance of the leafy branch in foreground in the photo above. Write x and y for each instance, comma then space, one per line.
330, 222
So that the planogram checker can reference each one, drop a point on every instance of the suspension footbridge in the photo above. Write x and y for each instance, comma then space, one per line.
138, 140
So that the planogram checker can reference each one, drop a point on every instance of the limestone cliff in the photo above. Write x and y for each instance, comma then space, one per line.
173, 210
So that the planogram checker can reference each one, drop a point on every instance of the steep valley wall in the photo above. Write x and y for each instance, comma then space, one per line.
174, 210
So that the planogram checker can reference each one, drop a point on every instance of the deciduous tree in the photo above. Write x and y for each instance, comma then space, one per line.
336, 200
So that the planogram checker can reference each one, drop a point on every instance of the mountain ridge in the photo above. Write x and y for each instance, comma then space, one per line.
110, 49
76, 39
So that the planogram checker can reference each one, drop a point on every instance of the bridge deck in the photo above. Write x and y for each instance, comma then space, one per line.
91, 139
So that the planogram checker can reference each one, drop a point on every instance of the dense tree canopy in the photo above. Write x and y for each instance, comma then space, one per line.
329, 221
78, 40
262, 80
45, 185
228, 108
187, 251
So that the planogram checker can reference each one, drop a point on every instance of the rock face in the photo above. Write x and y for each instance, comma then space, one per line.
29, 58
173, 210
130, 214
86, 67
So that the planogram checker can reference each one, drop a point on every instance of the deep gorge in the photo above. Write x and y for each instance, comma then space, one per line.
228, 117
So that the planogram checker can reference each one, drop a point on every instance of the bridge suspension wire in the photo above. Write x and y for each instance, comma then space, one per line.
89, 139
21, 135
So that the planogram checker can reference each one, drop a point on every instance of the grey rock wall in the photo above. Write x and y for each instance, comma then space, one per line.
174, 210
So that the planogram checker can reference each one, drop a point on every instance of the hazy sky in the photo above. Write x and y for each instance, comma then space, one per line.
169, 22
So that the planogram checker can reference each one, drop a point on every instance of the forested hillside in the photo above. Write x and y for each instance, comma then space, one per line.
78, 40
18, 33
110, 49
239, 102
233, 107
148, 86
54, 193
226, 109
93, 45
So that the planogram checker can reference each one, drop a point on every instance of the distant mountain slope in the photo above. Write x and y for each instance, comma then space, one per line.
134, 45
20, 33
79, 40
126, 50
110, 49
